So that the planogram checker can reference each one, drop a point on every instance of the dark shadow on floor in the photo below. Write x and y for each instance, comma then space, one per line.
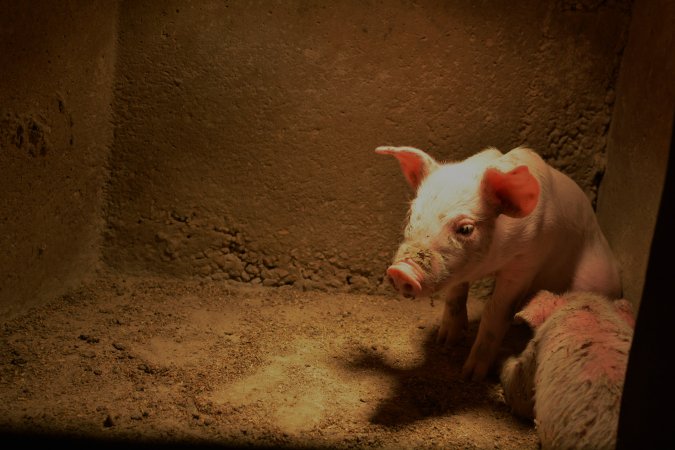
16, 439
435, 387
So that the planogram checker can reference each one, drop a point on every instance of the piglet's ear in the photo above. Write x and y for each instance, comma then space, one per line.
514, 193
415, 164
539, 308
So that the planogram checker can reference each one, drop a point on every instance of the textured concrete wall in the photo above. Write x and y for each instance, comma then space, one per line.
56, 72
639, 140
245, 130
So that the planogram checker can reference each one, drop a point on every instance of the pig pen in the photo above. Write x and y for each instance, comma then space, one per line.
195, 228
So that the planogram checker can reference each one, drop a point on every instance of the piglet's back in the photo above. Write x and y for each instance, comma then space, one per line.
582, 353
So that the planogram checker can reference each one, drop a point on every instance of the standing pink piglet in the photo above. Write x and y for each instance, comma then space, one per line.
508, 215
570, 376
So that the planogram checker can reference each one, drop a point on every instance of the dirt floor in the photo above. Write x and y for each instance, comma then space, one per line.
146, 361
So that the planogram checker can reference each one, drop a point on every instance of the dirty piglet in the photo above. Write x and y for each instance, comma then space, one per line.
509, 215
570, 376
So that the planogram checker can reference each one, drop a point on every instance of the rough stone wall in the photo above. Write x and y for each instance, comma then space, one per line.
56, 72
639, 140
245, 130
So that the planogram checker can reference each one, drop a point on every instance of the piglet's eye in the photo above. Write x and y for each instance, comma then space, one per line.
465, 230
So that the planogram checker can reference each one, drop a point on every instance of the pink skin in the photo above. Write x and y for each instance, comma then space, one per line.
570, 376
609, 364
508, 215
584, 324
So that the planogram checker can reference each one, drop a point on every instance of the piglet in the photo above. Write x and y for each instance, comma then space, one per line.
511, 216
570, 376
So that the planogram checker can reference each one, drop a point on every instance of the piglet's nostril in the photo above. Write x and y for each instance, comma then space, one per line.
404, 278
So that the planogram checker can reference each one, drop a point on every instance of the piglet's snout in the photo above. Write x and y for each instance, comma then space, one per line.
405, 277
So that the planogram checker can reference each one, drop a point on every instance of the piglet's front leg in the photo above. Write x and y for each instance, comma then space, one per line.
455, 320
496, 319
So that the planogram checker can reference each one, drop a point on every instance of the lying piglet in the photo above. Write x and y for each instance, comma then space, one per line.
570, 376
510, 215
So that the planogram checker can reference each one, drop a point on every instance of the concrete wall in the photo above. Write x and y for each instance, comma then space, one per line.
56, 72
639, 140
245, 130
